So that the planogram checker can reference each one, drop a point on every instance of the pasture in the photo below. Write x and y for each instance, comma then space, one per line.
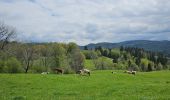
101, 85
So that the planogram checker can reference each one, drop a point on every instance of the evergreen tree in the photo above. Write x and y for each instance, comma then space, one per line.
85, 48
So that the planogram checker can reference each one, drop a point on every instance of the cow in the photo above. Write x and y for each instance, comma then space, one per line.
126, 71
45, 73
113, 72
80, 72
83, 72
86, 71
59, 70
130, 72
133, 72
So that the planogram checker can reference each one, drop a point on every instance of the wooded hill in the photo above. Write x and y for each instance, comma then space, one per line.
128, 58
157, 46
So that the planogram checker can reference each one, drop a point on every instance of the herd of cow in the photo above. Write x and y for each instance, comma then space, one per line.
84, 71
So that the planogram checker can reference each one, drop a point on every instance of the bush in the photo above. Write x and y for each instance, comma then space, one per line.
159, 67
68, 71
2, 65
134, 67
119, 66
150, 66
144, 64
103, 63
13, 66
90, 54
168, 67
38, 69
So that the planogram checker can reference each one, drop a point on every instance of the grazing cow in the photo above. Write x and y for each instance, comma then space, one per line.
86, 71
126, 71
45, 73
79, 72
113, 72
134, 72
130, 72
59, 70
83, 72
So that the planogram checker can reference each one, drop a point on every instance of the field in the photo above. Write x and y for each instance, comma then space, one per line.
101, 85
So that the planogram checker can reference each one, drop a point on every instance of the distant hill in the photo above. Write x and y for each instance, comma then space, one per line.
161, 46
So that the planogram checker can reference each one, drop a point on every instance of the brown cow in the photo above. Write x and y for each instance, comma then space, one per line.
59, 70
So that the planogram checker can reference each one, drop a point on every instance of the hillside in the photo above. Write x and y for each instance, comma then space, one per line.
161, 46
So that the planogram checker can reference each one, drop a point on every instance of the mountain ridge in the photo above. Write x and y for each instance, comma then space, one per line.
157, 46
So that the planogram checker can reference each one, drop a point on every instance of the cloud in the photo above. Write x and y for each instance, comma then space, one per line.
87, 21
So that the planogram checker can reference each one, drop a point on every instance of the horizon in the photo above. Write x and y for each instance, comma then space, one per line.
85, 22
102, 42
126, 41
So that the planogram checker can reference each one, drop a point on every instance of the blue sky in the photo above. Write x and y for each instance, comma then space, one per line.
87, 21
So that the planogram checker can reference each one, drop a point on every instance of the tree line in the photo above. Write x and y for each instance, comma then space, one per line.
30, 57
130, 58
36, 57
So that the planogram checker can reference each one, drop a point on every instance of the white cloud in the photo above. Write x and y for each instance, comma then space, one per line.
86, 21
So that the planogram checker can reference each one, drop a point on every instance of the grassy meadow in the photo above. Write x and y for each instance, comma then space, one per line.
101, 85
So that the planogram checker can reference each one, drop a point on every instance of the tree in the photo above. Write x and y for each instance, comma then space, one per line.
43, 53
27, 54
100, 49
137, 61
58, 55
99, 63
129, 63
98, 53
106, 53
13, 65
144, 64
103, 63
2, 65
115, 55
121, 49
6, 33
150, 66
76, 58
134, 67
159, 67
85, 48
93, 54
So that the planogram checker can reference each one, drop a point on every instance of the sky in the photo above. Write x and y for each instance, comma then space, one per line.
87, 21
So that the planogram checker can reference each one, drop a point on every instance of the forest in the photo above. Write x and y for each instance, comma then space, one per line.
129, 58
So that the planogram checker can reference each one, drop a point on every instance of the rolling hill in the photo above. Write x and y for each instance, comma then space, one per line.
158, 46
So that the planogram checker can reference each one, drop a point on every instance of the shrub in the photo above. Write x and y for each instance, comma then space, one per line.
144, 64
103, 63
13, 66
134, 67
159, 67
150, 66
68, 70
168, 67
90, 54
2, 65
38, 69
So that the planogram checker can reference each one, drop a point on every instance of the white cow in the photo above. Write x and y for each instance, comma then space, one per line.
45, 73
84, 71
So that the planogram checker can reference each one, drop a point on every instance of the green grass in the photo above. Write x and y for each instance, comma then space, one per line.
101, 85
